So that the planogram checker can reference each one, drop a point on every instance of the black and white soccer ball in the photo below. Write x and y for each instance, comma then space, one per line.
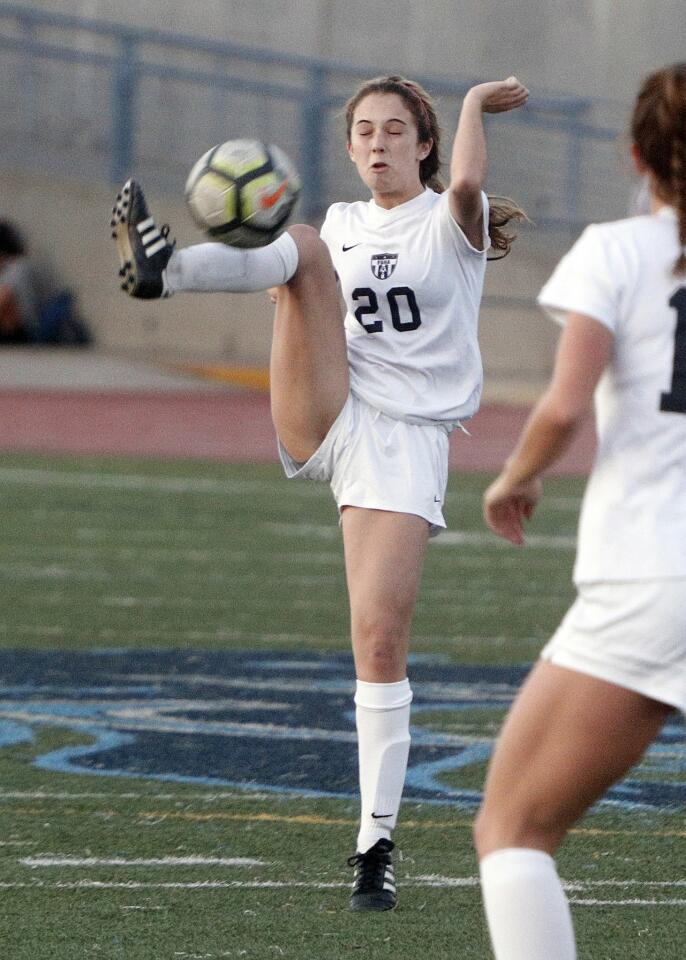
242, 192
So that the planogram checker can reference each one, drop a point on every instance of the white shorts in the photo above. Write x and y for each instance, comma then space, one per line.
375, 461
632, 633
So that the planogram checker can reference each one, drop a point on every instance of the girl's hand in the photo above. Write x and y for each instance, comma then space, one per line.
507, 505
500, 95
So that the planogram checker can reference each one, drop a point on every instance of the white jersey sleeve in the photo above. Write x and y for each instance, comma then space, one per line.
590, 279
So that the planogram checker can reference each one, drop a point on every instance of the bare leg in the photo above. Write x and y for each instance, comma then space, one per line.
384, 557
567, 739
309, 363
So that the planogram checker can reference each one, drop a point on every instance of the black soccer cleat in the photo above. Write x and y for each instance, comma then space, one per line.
374, 879
143, 248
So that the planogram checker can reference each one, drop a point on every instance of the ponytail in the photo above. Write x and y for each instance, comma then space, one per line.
658, 128
500, 211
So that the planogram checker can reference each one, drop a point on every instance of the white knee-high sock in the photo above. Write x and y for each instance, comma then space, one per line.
526, 908
383, 731
216, 267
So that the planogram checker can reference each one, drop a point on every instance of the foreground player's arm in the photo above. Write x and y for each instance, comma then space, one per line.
583, 353
469, 161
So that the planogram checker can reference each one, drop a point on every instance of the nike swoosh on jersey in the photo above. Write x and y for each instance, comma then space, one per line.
350, 246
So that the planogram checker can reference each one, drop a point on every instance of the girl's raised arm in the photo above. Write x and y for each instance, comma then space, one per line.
469, 160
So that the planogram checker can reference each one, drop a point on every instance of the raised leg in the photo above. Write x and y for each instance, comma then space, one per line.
309, 363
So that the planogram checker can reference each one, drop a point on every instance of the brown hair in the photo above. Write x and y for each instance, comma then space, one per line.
658, 128
11, 240
423, 110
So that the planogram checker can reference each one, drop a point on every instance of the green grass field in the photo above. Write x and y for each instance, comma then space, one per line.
148, 557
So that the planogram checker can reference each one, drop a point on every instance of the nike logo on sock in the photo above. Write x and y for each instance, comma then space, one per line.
350, 246
381, 816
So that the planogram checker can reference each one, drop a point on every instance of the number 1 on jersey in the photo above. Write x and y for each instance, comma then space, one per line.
675, 400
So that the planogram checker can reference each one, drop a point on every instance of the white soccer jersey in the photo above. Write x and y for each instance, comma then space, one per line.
412, 285
633, 518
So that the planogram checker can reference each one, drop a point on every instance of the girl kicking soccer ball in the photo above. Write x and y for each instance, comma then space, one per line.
367, 401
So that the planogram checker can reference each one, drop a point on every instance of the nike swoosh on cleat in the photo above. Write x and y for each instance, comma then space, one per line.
350, 246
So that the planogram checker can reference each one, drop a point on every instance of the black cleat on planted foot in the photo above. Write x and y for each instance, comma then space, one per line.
374, 879
143, 248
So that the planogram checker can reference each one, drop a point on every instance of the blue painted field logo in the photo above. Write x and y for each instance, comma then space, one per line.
274, 722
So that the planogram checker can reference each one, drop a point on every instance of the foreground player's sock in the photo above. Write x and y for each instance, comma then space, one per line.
383, 731
526, 908
216, 267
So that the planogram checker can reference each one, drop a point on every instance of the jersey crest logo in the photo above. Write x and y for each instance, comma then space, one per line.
383, 265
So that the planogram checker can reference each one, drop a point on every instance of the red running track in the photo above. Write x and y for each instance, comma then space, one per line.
231, 427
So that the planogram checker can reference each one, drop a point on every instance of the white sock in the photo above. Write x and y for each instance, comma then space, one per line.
217, 267
383, 733
526, 908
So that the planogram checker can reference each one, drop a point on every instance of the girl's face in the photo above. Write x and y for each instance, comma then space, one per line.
385, 148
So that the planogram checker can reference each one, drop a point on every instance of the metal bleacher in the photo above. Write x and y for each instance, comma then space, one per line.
94, 99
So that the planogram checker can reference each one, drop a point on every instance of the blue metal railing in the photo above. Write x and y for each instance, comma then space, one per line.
128, 58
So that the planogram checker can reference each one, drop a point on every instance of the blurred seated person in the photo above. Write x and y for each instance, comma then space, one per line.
30, 311
19, 290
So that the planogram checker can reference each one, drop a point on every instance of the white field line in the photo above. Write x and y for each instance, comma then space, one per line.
449, 538
140, 483
128, 708
157, 724
197, 485
200, 555
557, 504
64, 795
627, 903
51, 571
433, 689
429, 882
228, 729
465, 538
135, 907
420, 880
47, 860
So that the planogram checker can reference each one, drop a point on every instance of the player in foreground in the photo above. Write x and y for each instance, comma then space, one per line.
368, 402
616, 666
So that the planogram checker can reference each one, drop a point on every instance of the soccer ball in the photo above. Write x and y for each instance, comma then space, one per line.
242, 192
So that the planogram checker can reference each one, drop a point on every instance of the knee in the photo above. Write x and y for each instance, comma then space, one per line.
313, 254
381, 650
499, 827
483, 834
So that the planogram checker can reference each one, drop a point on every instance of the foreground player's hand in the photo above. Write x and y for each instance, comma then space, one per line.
507, 505
500, 95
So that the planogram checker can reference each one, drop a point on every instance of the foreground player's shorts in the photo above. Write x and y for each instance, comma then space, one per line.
377, 462
632, 633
